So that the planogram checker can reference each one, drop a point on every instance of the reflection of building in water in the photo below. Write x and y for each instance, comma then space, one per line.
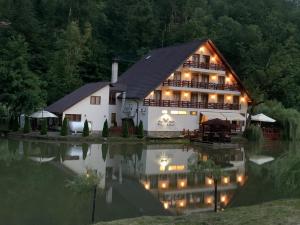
166, 174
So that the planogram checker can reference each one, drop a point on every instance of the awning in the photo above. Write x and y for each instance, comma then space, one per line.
213, 115
234, 116
43, 114
262, 118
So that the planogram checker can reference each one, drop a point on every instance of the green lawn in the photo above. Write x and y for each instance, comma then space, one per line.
284, 212
35, 194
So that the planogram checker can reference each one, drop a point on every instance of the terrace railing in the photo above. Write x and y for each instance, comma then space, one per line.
189, 104
202, 65
203, 85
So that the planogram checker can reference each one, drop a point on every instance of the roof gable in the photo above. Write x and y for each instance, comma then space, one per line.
155, 67
74, 97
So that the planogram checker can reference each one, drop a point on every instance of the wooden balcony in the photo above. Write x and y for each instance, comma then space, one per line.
188, 104
201, 65
203, 85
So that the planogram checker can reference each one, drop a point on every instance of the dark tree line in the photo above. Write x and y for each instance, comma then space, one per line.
53, 47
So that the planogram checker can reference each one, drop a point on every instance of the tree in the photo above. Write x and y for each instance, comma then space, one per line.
86, 130
105, 131
140, 130
64, 129
44, 127
20, 87
125, 131
15, 123
27, 126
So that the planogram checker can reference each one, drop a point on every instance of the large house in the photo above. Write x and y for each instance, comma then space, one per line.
170, 89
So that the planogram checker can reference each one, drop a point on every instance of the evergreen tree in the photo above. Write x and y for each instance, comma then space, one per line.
27, 126
64, 129
86, 130
125, 131
44, 127
140, 130
105, 131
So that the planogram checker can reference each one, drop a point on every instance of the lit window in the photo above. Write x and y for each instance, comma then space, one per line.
173, 112
193, 113
176, 167
95, 100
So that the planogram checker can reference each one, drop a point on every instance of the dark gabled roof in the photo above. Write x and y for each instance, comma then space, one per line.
149, 72
71, 99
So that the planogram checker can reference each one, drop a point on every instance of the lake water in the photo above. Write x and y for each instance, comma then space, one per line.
137, 179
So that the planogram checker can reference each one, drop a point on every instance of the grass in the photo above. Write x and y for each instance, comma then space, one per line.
285, 212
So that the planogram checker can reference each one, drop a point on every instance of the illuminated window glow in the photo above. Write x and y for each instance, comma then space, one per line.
176, 167
175, 112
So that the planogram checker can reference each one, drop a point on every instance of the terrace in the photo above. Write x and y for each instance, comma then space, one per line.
202, 65
189, 104
203, 85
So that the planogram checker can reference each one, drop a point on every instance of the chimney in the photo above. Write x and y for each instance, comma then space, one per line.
114, 70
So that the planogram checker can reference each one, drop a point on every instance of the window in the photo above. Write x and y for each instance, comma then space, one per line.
177, 75
236, 99
73, 117
204, 59
95, 100
195, 77
221, 99
221, 80
114, 119
112, 98
157, 95
194, 97
193, 113
204, 97
176, 95
205, 78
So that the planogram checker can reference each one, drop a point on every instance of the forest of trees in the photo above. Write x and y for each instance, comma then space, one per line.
52, 47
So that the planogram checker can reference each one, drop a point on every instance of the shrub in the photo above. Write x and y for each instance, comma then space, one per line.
253, 133
44, 127
125, 132
86, 130
15, 123
64, 129
27, 127
105, 129
140, 133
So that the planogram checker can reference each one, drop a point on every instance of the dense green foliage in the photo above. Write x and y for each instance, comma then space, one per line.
140, 131
65, 128
44, 127
27, 126
105, 131
52, 47
125, 129
287, 118
86, 130
253, 133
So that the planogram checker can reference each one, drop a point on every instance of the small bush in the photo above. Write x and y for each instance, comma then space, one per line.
140, 133
125, 131
64, 129
86, 130
253, 133
44, 127
27, 127
105, 129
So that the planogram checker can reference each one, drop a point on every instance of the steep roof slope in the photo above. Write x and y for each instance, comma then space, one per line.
79, 94
154, 67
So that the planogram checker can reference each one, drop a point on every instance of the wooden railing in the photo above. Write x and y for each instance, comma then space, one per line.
188, 104
208, 66
204, 85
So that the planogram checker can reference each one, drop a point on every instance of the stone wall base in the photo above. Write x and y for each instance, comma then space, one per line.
164, 134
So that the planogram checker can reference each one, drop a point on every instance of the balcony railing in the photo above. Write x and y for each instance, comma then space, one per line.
202, 65
188, 104
204, 85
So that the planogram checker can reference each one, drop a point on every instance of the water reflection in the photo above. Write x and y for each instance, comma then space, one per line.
162, 170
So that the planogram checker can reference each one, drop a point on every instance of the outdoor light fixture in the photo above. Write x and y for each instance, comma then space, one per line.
214, 77
213, 59
223, 198
226, 180
147, 185
186, 94
242, 99
227, 79
228, 98
201, 49
152, 93
181, 203
186, 74
240, 178
168, 93
166, 205
208, 200
213, 96
163, 185
209, 181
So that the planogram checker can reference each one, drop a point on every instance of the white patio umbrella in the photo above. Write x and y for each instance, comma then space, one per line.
262, 118
42, 114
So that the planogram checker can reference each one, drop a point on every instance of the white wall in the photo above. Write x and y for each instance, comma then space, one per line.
96, 114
